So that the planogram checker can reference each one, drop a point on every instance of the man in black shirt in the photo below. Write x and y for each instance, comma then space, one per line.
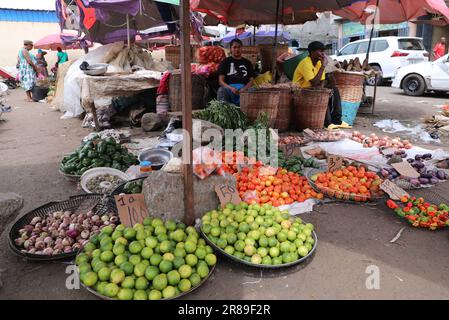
235, 74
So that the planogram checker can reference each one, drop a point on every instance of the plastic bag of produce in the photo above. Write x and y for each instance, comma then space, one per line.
205, 162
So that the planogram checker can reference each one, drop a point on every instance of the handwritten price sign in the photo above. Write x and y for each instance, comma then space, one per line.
393, 190
131, 209
334, 163
291, 150
227, 194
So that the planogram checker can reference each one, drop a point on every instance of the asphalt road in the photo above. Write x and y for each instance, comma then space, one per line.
354, 240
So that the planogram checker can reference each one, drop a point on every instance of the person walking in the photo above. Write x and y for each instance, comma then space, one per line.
28, 68
440, 49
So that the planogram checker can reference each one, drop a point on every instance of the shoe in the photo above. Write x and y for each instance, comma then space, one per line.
6, 109
344, 125
332, 127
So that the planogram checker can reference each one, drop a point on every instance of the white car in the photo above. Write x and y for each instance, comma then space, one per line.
423, 77
387, 54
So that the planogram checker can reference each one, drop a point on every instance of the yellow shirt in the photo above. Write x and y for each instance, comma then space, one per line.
306, 71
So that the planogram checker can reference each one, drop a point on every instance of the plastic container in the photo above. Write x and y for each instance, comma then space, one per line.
349, 111
145, 168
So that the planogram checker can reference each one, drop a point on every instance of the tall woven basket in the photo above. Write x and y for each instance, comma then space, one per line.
276, 102
251, 53
199, 92
266, 55
173, 54
343, 78
310, 107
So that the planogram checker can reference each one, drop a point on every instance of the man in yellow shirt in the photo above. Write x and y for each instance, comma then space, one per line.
310, 73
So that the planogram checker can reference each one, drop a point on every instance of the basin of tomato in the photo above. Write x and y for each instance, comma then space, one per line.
257, 185
348, 183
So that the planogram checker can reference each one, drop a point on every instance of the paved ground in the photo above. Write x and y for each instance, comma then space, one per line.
351, 238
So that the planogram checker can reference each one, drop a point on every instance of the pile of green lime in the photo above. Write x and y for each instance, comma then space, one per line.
259, 234
153, 260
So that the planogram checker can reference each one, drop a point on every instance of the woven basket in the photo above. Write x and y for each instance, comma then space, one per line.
251, 53
349, 79
199, 92
266, 55
173, 54
310, 107
351, 93
277, 103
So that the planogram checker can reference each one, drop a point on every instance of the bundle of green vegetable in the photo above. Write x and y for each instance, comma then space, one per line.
225, 115
97, 153
133, 187
296, 164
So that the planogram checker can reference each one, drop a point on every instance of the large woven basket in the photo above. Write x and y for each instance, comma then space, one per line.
173, 54
349, 79
251, 53
277, 103
199, 92
351, 93
266, 55
310, 107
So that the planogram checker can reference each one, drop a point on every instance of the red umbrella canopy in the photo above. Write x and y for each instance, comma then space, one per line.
53, 41
256, 12
393, 11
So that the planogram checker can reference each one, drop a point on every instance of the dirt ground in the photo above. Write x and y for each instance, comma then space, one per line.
353, 240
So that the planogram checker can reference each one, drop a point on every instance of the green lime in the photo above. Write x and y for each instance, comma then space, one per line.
190, 247
155, 295
185, 271
160, 281
177, 262
111, 290
179, 252
107, 247
170, 225
121, 240
97, 266
184, 285
162, 237
195, 279
135, 259
120, 259
119, 249
128, 282
129, 233
140, 295
160, 230
135, 247
165, 266
169, 292
127, 267
96, 253
125, 294
84, 267
90, 278
229, 250
168, 256
139, 269
155, 259
120, 227
266, 260
165, 246
151, 272
191, 260
173, 277
157, 222
146, 253
117, 276
147, 221
116, 234
179, 235
107, 230
104, 274
141, 235
151, 242
89, 247
202, 270
105, 240
100, 287
141, 283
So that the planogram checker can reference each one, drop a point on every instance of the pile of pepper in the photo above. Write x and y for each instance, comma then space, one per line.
421, 214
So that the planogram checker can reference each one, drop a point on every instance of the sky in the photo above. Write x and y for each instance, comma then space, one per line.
28, 4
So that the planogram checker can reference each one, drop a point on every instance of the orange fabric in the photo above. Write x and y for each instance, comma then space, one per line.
439, 50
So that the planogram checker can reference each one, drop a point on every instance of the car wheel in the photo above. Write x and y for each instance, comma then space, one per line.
371, 81
414, 85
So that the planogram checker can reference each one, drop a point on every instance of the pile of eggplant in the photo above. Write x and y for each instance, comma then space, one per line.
427, 176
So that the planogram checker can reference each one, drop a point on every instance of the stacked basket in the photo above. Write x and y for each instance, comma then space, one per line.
251, 53
276, 102
200, 91
350, 85
310, 107
266, 55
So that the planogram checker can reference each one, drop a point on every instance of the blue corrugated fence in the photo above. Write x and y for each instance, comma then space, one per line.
28, 15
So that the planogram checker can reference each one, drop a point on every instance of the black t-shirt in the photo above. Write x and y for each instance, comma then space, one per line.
236, 70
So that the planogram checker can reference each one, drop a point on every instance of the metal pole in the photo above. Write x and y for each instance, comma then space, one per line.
254, 35
186, 98
273, 67
372, 32
127, 30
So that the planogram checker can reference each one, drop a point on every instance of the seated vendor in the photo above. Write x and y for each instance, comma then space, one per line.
235, 75
310, 73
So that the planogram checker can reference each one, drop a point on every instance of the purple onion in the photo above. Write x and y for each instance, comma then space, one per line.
68, 249
48, 251
40, 245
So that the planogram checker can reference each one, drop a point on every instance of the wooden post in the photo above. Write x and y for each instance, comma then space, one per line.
274, 66
93, 109
186, 88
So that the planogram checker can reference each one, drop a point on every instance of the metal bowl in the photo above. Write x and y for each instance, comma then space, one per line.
157, 157
98, 69
92, 173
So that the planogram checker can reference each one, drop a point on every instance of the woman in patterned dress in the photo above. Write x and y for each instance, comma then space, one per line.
27, 69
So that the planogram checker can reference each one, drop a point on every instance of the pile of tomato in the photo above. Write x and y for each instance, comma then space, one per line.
211, 54
277, 189
349, 183
234, 161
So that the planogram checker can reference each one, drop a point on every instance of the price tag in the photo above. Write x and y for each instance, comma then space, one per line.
334, 162
131, 209
309, 132
313, 152
393, 190
405, 169
227, 194
291, 150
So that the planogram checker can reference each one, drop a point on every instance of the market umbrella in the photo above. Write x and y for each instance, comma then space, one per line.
256, 12
55, 40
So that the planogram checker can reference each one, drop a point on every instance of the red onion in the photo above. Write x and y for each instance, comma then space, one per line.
113, 219
68, 249
32, 250
44, 234
35, 220
85, 234
49, 241
104, 218
95, 218
38, 225
48, 251
58, 246
19, 242
57, 251
62, 233
24, 236
40, 245
76, 246
66, 242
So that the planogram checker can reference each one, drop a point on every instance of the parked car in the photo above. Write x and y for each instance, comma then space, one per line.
387, 54
423, 77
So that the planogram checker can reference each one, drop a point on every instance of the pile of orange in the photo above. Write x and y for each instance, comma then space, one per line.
349, 183
277, 189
